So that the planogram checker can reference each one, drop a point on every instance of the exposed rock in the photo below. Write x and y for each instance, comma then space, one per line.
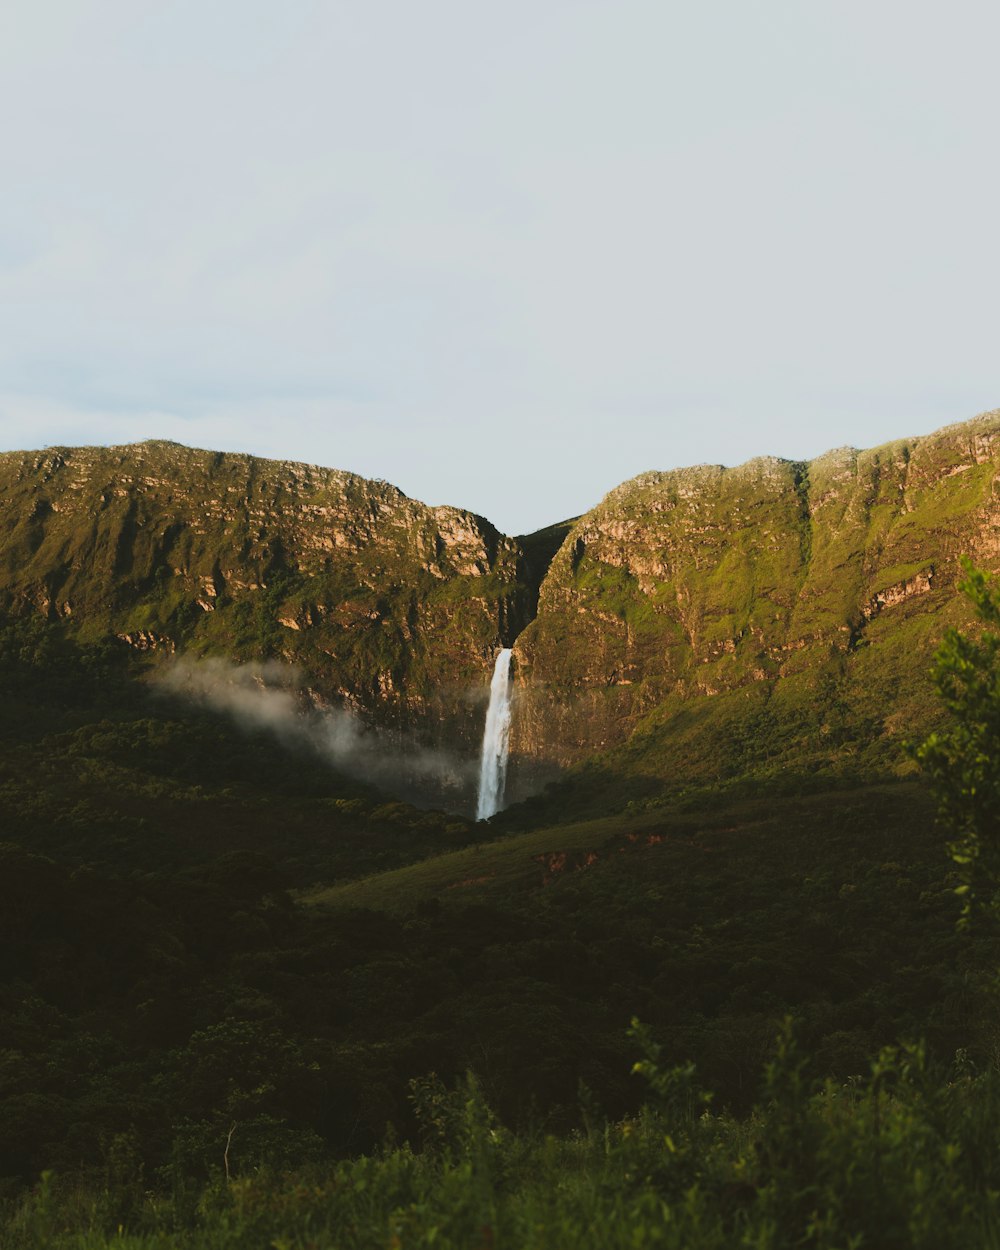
146, 640
890, 596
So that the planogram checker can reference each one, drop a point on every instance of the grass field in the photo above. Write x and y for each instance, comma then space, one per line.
523, 861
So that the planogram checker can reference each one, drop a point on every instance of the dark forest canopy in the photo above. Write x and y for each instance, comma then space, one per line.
160, 981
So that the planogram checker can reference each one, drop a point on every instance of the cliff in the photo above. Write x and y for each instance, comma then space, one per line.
697, 624
779, 610
383, 603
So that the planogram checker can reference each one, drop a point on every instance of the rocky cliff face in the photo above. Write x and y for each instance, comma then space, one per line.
773, 591
385, 604
696, 623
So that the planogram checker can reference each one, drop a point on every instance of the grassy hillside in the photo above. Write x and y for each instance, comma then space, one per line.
748, 825
705, 623
200, 995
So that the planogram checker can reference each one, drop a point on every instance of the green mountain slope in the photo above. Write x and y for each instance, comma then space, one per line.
711, 920
777, 614
385, 603
698, 625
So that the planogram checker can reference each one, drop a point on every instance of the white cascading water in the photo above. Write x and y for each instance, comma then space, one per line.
496, 741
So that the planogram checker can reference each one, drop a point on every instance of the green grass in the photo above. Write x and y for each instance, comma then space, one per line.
506, 863
511, 862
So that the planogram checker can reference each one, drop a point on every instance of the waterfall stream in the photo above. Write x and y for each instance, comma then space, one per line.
496, 741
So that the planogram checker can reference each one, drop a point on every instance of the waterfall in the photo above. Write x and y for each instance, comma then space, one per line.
496, 740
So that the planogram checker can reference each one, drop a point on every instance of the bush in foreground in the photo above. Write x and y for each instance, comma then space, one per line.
904, 1158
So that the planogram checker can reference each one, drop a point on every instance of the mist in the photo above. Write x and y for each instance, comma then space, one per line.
274, 697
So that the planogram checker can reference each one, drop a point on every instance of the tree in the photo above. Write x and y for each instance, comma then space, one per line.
963, 761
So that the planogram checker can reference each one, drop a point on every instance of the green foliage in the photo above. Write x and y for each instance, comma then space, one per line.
167, 1012
903, 1158
963, 761
611, 590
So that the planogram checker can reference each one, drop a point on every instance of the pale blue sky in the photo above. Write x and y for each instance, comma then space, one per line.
502, 255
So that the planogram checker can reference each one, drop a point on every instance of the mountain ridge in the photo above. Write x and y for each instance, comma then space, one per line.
775, 593
989, 418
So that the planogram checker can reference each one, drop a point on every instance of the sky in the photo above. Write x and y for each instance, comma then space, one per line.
503, 256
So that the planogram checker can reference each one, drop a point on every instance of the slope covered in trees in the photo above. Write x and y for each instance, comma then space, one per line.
205, 1063
163, 976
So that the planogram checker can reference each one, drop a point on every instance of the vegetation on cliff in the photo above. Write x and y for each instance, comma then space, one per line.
383, 604
698, 625
709, 623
